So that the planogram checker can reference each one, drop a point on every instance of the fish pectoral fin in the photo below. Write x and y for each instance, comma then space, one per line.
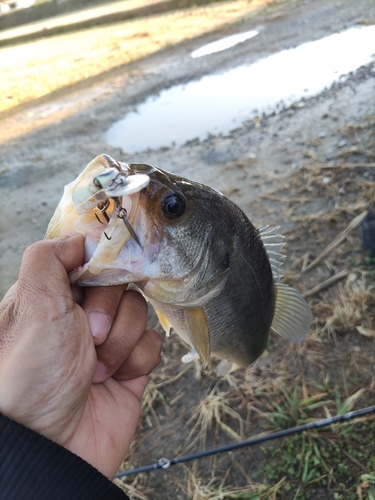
199, 332
163, 320
292, 318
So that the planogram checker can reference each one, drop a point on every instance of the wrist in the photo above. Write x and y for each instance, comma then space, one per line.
32, 466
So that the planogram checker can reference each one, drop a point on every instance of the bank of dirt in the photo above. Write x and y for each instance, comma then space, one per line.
309, 168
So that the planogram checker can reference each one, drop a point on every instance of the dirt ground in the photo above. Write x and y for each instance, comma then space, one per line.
295, 168
44, 147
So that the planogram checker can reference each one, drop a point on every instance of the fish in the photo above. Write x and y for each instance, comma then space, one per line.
210, 274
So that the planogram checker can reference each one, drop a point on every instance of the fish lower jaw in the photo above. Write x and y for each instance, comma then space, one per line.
90, 274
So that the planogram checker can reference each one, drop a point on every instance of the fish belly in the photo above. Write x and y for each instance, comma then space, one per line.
238, 333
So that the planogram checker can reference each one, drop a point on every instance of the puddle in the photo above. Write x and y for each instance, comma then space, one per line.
24, 4
223, 44
218, 103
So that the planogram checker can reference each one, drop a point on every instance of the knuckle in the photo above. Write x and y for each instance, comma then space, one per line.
35, 250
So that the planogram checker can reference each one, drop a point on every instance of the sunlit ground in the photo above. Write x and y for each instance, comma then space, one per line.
34, 69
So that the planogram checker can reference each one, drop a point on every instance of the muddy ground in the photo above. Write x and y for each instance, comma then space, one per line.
44, 145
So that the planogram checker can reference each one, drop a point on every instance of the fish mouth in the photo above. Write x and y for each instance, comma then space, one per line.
104, 239
106, 207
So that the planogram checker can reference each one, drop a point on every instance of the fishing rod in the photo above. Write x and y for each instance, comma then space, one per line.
164, 463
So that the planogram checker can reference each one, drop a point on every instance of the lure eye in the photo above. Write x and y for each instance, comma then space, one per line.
97, 183
173, 206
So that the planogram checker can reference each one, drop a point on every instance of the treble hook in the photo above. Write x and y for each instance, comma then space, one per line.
122, 214
103, 207
101, 222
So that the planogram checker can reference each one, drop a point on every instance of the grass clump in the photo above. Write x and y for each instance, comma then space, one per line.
333, 460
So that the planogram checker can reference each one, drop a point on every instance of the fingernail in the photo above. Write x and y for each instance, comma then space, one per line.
101, 373
99, 324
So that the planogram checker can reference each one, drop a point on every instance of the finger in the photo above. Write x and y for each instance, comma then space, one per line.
68, 249
100, 305
144, 357
43, 288
127, 329
45, 264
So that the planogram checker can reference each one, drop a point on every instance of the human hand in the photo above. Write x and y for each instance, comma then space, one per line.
49, 356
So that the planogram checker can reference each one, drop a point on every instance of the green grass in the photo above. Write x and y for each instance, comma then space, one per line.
333, 459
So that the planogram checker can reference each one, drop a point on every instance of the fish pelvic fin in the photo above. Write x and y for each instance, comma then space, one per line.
164, 322
292, 317
225, 367
199, 332
273, 243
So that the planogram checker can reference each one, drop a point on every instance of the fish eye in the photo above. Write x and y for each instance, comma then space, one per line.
173, 206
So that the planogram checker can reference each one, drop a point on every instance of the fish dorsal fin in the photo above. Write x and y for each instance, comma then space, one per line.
292, 317
273, 244
199, 332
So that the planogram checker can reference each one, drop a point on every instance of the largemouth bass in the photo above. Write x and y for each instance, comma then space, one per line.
209, 273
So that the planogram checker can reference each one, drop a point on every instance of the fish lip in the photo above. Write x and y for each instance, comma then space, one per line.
80, 277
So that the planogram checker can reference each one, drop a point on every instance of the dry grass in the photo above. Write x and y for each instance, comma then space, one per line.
212, 411
37, 68
197, 488
352, 306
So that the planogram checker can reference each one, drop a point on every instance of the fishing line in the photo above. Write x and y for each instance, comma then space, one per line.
164, 463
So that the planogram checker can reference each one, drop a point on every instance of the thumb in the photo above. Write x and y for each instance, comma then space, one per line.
45, 265
42, 290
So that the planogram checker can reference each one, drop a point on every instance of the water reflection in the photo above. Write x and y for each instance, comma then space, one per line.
218, 103
223, 44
